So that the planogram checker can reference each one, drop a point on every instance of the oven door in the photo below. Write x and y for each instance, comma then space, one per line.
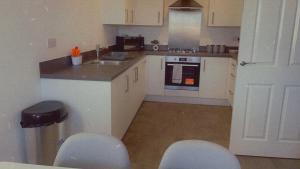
190, 76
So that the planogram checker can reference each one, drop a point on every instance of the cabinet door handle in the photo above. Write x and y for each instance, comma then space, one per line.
136, 74
127, 84
126, 16
158, 19
204, 65
162, 64
132, 16
213, 18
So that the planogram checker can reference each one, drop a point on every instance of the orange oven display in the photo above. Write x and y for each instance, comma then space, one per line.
189, 81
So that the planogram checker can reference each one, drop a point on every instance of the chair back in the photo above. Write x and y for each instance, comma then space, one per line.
90, 151
195, 154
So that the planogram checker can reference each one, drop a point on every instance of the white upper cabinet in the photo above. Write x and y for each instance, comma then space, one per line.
225, 12
115, 12
133, 12
213, 78
148, 12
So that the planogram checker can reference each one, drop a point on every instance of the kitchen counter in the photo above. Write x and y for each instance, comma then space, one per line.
96, 72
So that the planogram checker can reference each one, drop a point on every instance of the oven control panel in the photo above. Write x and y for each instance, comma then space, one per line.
181, 59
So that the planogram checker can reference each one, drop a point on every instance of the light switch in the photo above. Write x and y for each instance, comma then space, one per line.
51, 43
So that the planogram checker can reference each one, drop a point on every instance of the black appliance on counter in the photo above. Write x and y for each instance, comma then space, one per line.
189, 73
129, 43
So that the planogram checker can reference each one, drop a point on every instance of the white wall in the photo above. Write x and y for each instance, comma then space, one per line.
72, 22
25, 27
209, 35
19, 75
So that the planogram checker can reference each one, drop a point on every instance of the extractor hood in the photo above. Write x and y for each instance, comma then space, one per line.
185, 4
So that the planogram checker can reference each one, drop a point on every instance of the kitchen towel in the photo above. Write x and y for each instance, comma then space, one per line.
177, 74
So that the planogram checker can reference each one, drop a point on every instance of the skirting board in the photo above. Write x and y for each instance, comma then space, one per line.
187, 100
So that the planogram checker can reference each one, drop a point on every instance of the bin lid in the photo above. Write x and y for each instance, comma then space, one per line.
43, 114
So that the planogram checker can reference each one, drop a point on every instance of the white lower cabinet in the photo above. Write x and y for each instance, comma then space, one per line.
155, 75
97, 106
213, 78
128, 92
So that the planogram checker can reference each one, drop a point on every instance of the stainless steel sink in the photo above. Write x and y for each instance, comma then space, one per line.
107, 62
117, 56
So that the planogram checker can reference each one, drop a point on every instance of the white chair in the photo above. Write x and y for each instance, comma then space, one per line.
194, 154
90, 151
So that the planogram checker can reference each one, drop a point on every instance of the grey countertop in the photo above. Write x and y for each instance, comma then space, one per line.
96, 72
198, 54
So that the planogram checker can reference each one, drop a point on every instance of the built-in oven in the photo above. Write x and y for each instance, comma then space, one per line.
182, 73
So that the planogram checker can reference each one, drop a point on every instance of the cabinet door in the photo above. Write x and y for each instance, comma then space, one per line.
116, 12
213, 78
138, 82
155, 75
129, 12
225, 12
148, 12
121, 113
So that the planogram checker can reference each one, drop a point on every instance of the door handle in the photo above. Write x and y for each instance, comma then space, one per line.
162, 64
243, 63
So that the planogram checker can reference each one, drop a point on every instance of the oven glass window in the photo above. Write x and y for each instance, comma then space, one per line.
190, 74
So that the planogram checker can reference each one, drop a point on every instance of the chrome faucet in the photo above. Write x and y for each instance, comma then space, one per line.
98, 51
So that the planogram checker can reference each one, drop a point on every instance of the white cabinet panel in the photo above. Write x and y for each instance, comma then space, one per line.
115, 12
213, 77
128, 92
155, 75
257, 111
133, 12
266, 33
225, 12
148, 12
120, 118
290, 125
231, 80
296, 41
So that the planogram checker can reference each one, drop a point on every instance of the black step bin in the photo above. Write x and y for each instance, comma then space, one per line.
43, 126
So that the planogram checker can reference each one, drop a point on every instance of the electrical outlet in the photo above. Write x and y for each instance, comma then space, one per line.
51, 43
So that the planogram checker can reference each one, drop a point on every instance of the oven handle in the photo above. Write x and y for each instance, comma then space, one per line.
183, 65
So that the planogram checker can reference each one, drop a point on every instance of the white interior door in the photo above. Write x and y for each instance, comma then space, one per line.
266, 115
